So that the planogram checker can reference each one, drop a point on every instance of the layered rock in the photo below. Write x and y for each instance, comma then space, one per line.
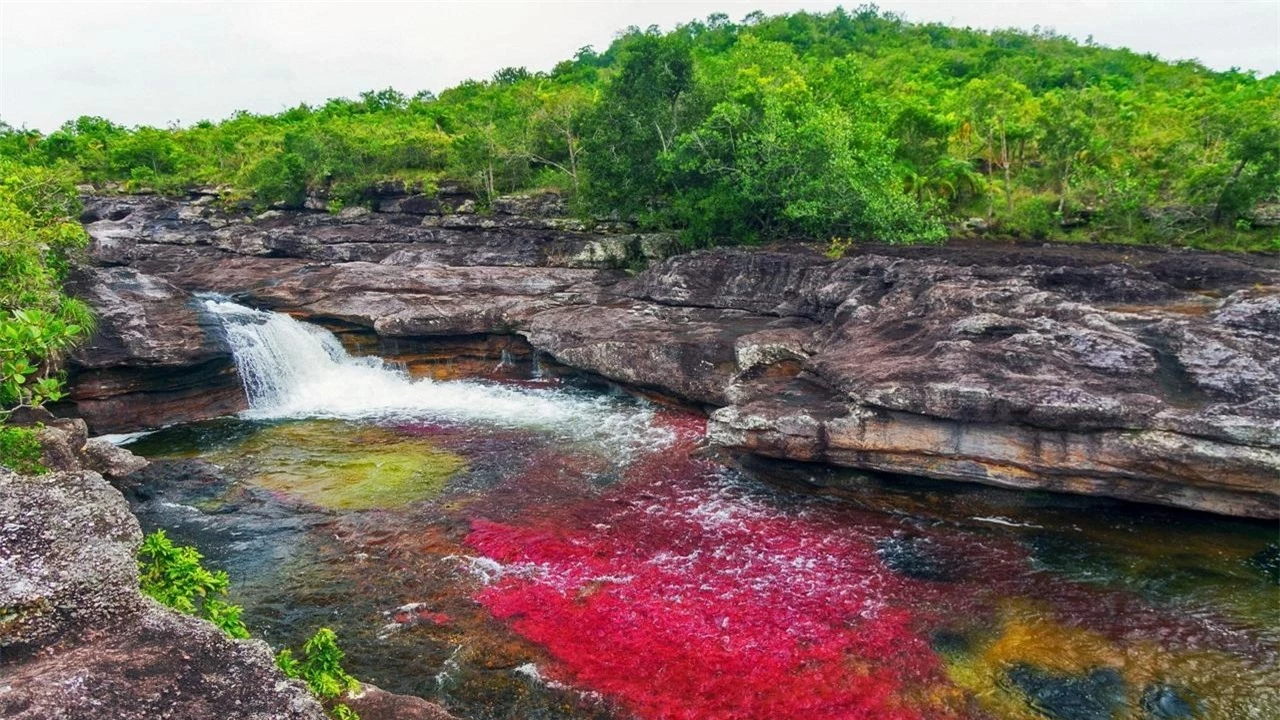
1137, 374
155, 358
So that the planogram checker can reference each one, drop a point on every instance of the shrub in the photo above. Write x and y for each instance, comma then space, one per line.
20, 451
39, 235
1035, 217
322, 670
174, 576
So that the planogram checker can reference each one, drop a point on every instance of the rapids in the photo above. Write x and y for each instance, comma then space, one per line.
546, 550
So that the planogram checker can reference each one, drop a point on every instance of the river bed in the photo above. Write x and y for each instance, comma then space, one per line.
537, 549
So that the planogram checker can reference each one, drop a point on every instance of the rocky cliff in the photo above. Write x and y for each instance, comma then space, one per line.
1146, 375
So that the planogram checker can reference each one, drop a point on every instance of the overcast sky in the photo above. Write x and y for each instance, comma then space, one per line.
156, 63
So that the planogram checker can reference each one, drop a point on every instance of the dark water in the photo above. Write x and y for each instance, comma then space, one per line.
507, 571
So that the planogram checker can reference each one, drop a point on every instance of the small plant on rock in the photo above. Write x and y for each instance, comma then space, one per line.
20, 451
838, 247
174, 576
322, 670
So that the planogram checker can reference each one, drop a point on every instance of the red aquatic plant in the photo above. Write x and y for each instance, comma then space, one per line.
679, 596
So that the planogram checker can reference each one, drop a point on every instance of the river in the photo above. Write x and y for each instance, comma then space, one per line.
547, 548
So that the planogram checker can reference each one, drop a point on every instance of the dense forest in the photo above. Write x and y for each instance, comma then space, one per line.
851, 124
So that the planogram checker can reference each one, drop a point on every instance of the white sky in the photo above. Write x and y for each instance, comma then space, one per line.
160, 62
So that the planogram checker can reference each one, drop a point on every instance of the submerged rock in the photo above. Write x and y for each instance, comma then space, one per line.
1161, 702
1094, 696
914, 557
1267, 562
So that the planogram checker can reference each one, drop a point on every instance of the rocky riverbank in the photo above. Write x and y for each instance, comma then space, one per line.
78, 638
1146, 375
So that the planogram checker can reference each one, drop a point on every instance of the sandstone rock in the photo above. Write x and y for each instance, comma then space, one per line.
109, 460
1266, 215
544, 204
61, 443
353, 212
66, 560
374, 703
154, 357
79, 641
1110, 371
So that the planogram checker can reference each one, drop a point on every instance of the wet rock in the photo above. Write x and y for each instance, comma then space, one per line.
1267, 562
79, 640
373, 703
1094, 696
1161, 702
914, 557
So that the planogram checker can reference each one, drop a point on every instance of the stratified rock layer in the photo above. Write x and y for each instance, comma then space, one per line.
1147, 375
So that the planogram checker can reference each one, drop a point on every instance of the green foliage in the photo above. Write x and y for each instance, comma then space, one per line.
38, 322
20, 451
800, 126
1035, 218
322, 670
174, 576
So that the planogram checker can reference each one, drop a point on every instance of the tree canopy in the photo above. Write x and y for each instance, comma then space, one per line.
812, 126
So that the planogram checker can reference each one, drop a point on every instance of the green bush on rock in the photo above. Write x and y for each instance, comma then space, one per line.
322, 670
174, 576
20, 451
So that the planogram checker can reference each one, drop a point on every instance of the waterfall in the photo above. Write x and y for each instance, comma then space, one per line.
537, 365
292, 369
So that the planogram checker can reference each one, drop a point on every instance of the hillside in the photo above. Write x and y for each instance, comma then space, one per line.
812, 126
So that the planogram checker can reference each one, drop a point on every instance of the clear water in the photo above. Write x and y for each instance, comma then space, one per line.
534, 550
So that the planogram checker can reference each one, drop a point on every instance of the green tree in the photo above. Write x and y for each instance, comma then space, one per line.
38, 322
636, 124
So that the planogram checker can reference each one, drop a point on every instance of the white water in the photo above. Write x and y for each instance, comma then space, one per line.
292, 369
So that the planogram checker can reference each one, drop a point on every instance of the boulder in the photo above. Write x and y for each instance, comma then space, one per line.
110, 460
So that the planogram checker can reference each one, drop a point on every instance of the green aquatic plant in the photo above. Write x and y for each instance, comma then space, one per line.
20, 451
335, 466
321, 669
174, 576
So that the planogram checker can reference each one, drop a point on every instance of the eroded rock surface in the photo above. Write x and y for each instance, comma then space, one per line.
1140, 374
78, 640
